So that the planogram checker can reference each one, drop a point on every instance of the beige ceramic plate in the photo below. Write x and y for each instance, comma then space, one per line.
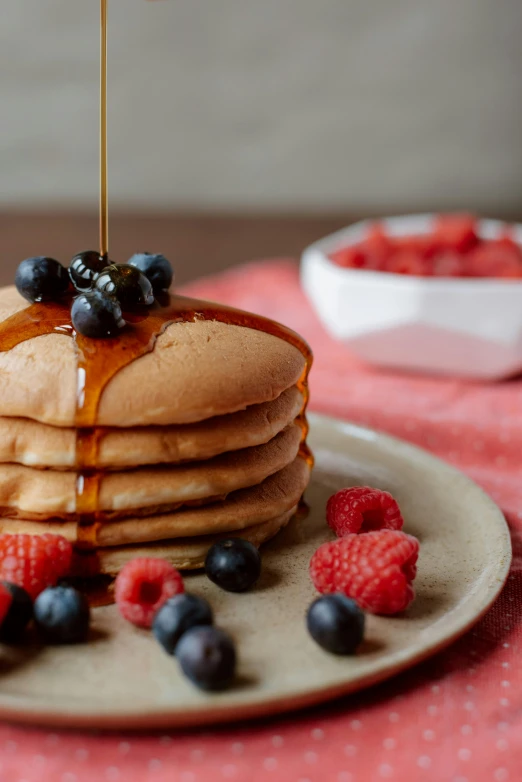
122, 678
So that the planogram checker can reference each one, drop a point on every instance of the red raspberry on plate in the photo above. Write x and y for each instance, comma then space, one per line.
143, 585
374, 569
34, 562
6, 598
362, 509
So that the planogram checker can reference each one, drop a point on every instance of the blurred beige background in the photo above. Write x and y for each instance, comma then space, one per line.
294, 105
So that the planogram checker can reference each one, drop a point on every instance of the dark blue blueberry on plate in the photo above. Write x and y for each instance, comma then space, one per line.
62, 615
156, 268
127, 284
177, 615
41, 279
207, 657
233, 564
18, 616
84, 267
336, 623
97, 316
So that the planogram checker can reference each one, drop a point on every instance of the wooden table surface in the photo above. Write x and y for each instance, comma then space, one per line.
197, 244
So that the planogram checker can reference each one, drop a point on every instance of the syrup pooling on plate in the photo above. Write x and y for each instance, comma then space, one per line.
98, 361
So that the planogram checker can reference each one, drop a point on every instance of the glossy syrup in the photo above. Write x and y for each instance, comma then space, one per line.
104, 179
98, 361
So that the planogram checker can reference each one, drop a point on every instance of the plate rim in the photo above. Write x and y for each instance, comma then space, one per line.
25, 710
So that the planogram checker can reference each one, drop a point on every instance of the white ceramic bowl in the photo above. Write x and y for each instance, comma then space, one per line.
455, 326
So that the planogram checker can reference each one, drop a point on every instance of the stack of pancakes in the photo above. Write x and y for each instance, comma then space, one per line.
200, 438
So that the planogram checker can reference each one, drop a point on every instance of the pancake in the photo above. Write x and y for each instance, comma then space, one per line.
48, 493
33, 444
243, 509
197, 370
187, 553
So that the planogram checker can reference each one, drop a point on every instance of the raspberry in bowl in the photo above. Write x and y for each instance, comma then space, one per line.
426, 293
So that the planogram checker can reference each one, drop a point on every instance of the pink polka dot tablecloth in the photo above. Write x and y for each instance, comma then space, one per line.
455, 718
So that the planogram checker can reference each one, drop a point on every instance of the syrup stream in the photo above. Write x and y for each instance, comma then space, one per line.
104, 187
87, 439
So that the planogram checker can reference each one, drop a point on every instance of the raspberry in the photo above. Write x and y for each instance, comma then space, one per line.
424, 245
405, 261
6, 598
143, 585
34, 562
377, 240
374, 569
456, 232
495, 259
362, 509
377, 247
448, 264
349, 257
356, 257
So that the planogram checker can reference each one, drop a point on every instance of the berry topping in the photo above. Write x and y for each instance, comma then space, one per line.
97, 316
336, 623
233, 564
362, 509
6, 601
83, 269
41, 279
176, 616
156, 268
126, 283
375, 569
34, 562
19, 614
207, 657
62, 615
143, 585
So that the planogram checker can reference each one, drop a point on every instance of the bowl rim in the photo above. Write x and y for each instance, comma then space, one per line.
415, 224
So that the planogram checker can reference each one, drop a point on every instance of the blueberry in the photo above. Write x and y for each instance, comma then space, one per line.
127, 284
336, 623
207, 657
156, 268
95, 315
233, 564
18, 616
176, 616
62, 615
83, 269
41, 279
